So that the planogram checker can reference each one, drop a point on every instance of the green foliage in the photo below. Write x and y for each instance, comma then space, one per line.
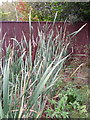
69, 99
3, 15
72, 11
45, 11
27, 83
7, 11
75, 12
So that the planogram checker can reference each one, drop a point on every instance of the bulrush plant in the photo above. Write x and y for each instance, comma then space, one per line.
26, 83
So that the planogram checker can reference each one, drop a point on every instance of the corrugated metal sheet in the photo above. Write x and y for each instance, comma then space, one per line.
14, 29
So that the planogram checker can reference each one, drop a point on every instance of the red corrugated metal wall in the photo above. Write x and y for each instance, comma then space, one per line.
14, 29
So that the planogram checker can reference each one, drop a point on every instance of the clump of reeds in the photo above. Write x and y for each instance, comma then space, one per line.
27, 83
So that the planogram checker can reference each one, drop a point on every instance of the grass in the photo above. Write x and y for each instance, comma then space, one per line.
78, 96
27, 84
